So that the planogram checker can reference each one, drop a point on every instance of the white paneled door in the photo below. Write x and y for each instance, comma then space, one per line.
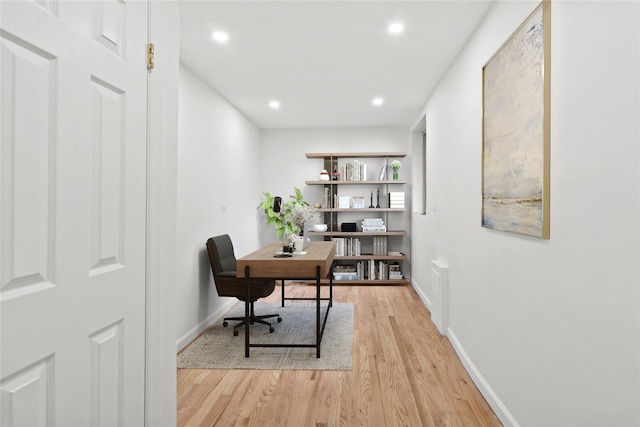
72, 218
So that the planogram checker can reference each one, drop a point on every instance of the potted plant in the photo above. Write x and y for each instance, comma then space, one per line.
282, 220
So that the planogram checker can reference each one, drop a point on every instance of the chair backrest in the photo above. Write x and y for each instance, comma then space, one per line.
221, 255
223, 266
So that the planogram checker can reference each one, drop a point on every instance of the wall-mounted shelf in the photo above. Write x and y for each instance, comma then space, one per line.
376, 257
362, 210
343, 182
379, 155
358, 233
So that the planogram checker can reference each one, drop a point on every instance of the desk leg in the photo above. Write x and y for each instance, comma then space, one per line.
282, 283
331, 285
246, 312
318, 312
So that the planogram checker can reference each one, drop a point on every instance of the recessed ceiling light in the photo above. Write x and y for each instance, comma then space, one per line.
396, 28
274, 104
220, 36
377, 101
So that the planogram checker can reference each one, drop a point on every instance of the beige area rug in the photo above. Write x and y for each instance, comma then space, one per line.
217, 348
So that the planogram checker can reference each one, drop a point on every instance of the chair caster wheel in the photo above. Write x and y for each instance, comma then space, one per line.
235, 333
225, 324
271, 329
279, 319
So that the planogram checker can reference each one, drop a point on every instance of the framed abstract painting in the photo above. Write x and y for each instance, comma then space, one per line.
516, 130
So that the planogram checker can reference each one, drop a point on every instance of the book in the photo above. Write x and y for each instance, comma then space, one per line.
372, 222
345, 276
373, 229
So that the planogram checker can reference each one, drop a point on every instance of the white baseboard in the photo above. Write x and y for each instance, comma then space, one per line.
425, 299
184, 340
489, 394
485, 389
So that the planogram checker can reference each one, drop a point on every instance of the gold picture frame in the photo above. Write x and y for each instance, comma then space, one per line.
516, 130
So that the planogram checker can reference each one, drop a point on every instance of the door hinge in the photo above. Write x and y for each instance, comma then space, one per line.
149, 56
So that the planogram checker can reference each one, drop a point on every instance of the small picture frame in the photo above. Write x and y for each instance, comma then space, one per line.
357, 202
344, 202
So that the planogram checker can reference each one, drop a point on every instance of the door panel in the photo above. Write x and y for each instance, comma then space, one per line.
72, 215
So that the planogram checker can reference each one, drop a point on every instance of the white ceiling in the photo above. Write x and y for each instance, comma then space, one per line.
326, 60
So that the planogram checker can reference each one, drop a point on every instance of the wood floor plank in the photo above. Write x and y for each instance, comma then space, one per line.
403, 373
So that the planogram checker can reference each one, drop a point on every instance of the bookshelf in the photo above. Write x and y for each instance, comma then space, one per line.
374, 254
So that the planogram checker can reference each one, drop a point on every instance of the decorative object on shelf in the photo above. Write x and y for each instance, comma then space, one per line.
371, 205
383, 171
516, 130
395, 165
335, 176
378, 205
281, 220
324, 175
320, 228
348, 227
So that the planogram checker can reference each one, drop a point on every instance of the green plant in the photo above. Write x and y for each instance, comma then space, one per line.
282, 220
395, 165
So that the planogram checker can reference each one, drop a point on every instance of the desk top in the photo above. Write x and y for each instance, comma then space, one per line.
263, 264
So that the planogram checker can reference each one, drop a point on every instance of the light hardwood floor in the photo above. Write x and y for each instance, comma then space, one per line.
404, 374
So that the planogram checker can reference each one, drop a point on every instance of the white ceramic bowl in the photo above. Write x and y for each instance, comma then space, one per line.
320, 227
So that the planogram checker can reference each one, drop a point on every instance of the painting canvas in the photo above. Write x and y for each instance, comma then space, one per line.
515, 131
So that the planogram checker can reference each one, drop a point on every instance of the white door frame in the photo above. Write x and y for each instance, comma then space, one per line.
162, 153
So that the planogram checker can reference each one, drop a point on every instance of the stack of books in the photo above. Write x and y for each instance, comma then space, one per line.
373, 224
345, 272
395, 273
396, 199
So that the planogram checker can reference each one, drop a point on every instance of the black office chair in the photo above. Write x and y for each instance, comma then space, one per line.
223, 267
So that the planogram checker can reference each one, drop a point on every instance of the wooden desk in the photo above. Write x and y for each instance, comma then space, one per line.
316, 264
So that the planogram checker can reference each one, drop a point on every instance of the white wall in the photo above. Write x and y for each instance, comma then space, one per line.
549, 329
284, 166
218, 176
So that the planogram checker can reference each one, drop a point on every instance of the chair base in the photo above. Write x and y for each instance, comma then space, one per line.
252, 319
